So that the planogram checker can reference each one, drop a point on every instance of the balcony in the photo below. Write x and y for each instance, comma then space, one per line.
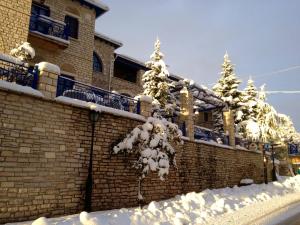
74, 89
15, 71
205, 134
48, 30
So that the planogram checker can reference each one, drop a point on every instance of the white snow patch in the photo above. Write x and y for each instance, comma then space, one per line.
19, 88
246, 181
192, 208
48, 67
213, 144
99, 108
144, 98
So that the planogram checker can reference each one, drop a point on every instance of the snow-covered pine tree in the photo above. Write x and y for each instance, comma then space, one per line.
248, 109
227, 86
267, 119
250, 100
155, 80
150, 142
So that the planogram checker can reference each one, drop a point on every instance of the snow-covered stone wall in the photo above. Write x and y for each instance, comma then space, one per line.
44, 161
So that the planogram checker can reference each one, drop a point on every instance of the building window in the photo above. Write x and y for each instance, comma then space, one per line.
72, 26
97, 64
205, 117
125, 72
40, 9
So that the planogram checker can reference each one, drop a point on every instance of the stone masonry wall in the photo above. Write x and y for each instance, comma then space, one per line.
44, 148
14, 23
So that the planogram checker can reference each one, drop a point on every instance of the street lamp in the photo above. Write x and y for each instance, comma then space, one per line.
94, 117
274, 178
265, 165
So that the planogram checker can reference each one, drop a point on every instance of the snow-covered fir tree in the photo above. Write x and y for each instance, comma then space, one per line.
150, 143
156, 82
217, 116
227, 85
250, 100
248, 109
267, 119
23, 52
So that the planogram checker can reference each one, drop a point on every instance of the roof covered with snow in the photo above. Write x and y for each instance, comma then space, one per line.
116, 43
131, 60
99, 7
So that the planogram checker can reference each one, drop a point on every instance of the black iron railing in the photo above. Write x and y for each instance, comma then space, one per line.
77, 90
204, 134
293, 149
48, 26
19, 73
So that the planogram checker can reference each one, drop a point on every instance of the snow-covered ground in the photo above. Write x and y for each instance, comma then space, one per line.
237, 205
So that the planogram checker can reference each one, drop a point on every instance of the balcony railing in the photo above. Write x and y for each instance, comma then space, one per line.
293, 149
49, 27
11, 70
205, 134
77, 90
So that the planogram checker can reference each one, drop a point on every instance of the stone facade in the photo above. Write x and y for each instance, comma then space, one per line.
76, 58
105, 51
44, 149
14, 23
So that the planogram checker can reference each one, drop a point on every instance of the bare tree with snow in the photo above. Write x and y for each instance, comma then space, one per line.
150, 143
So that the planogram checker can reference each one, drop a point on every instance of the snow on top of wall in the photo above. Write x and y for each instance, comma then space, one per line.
45, 66
19, 88
11, 59
144, 98
100, 108
213, 143
191, 208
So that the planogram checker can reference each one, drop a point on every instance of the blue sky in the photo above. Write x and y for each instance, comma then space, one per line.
260, 37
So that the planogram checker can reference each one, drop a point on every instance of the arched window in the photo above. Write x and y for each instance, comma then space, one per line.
97, 64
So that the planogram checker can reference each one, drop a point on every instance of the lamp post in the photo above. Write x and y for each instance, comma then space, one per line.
265, 166
274, 178
94, 117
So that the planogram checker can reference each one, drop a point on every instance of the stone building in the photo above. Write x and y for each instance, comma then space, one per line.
63, 33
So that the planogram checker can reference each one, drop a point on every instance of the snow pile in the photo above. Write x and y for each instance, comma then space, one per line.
144, 98
246, 181
45, 66
192, 208
23, 52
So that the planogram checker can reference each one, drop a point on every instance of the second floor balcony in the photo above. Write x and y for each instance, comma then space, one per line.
49, 29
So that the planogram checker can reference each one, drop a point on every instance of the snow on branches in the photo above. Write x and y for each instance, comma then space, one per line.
156, 82
23, 52
150, 142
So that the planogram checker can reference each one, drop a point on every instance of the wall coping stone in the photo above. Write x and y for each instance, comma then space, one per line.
13, 87
99, 108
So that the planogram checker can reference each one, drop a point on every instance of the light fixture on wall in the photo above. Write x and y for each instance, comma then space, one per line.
197, 112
